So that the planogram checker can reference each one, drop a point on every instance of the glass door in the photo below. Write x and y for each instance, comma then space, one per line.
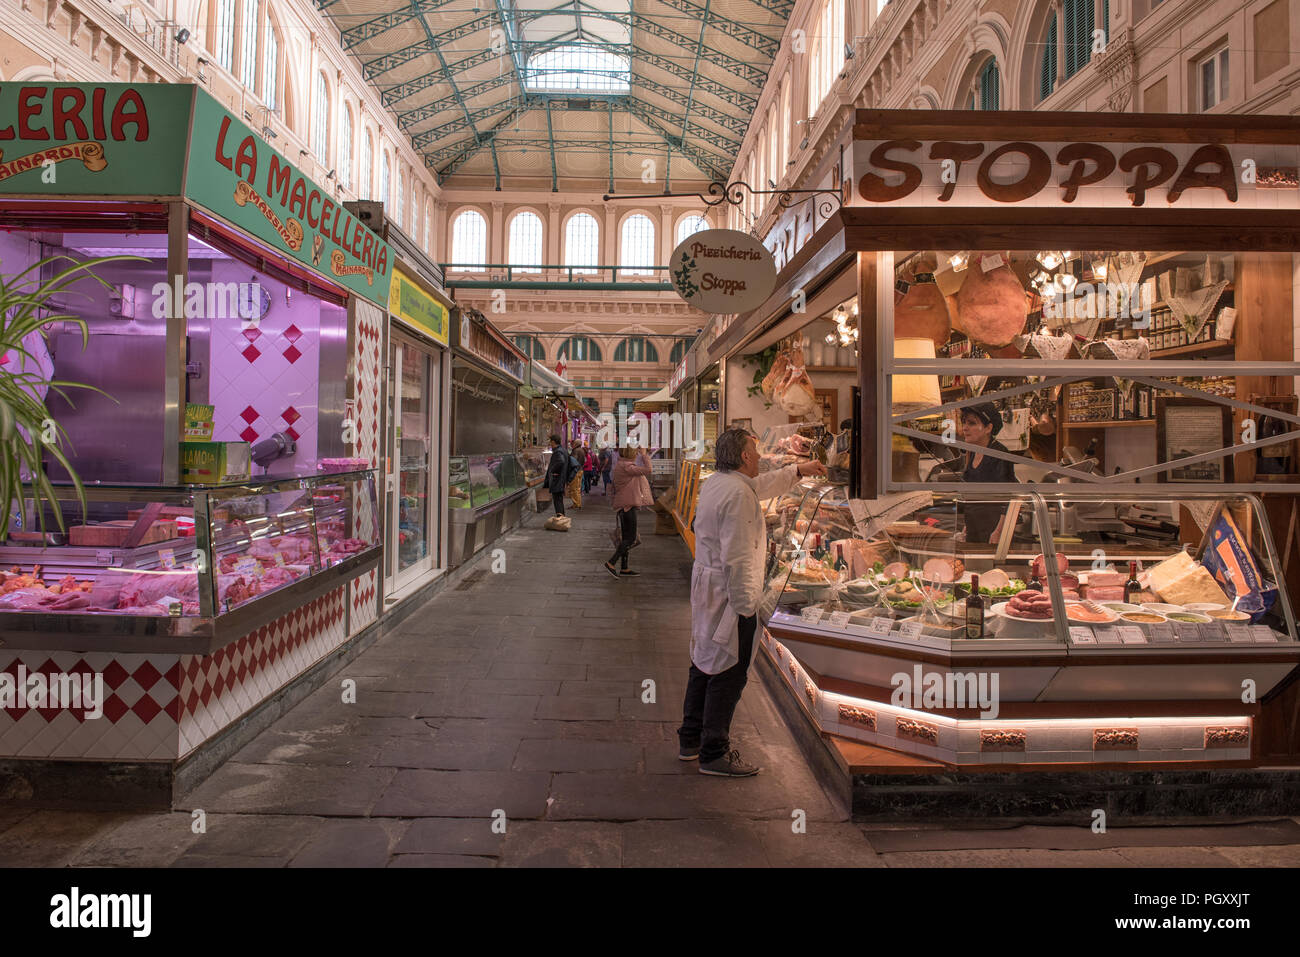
413, 443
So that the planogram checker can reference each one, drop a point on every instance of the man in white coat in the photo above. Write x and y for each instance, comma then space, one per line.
726, 585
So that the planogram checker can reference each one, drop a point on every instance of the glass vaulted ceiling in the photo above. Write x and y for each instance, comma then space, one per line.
580, 45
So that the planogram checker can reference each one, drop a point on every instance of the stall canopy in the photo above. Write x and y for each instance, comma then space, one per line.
662, 397
544, 381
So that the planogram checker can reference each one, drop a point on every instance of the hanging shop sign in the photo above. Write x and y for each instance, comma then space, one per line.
476, 340
235, 174
681, 373
722, 271
1205, 175
122, 139
413, 305
802, 218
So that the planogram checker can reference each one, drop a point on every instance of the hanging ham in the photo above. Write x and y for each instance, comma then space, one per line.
991, 305
923, 312
794, 394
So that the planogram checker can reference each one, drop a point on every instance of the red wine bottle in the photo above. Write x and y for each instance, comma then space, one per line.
1131, 587
975, 610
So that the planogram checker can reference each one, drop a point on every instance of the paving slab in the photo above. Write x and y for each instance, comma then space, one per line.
721, 843
147, 840
477, 794
440, 860
563, 844
451, 835
291, 789
355, 842
560, 754
438, 753
54, 838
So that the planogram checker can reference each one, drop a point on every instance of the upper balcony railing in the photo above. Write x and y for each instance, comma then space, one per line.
592, 278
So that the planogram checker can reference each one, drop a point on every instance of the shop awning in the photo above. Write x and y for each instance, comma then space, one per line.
662, 397
544, 380
528, 392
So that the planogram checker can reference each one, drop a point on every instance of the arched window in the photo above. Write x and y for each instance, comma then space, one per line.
223, 33
579, 349
530, 346
320, 120
385, 196
248, 46
525, 246
428, 218
787, 132
678, 351
636, 349
689, 225
582, 242
1047, 64
469, 240
365, 183
345, 149
271, 66
827, 57
985, 93
1078, 35
415, 214
399, 202
637, 242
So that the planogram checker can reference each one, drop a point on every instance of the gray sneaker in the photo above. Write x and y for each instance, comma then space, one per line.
730, 765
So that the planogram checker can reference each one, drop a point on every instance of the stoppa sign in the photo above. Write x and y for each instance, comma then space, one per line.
722, 271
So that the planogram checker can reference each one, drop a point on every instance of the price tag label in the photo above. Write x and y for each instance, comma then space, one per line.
1239, 634
247, 565
1081, 635
840, 619
881, 626
166, 558
992, 262
1131, 635
1263, 634
279, 559
910, 629
1164, 634
1106, 636
812, 613
1211, 632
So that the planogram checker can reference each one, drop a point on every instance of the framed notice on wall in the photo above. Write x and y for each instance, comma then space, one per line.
1187, 427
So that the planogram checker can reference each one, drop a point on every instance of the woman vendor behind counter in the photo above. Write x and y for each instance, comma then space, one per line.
979, 423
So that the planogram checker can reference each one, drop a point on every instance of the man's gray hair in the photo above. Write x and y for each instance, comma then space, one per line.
729, 447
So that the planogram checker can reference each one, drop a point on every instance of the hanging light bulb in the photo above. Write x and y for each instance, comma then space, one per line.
1050, 259
830, 338
1067, 282
854, 308
958, 261
1099, 270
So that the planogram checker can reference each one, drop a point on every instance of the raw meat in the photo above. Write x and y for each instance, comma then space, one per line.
943, 569
277, 576
73, 599
923, 314
1038, 567
1105, 592
991, 305
24, 598
146, 589
1030, 604
234, 589
1105, 580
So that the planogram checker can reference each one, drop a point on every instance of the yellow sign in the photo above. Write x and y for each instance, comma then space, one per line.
412, 304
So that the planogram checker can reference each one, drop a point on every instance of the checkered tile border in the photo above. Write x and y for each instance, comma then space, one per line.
367, 391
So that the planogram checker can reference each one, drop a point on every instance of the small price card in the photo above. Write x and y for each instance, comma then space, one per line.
1081, 635
1263, 634
1239, 634
279, 559
840, 619
1131, 635
991, 262
247, 565
1163, 634
1211, 632
1106, 636
881, 626
166, 558
812, 613
910, 629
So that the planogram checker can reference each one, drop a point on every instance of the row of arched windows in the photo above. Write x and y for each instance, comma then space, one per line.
526, 242
586, 349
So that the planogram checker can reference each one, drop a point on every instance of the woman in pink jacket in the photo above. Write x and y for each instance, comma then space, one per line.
631, 491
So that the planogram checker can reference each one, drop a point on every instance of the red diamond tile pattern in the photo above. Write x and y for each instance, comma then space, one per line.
291, 415
293, 354
293, 333
364, 606
249, 434
253, 334
292, 433
249, 415
251, 353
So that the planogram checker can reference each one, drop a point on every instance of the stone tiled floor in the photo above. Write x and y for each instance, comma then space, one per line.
522, 696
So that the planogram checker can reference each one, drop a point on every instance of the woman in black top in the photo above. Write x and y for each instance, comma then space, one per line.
978, 426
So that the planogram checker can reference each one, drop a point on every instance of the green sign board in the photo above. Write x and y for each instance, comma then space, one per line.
236, 175
411, 303
93, 139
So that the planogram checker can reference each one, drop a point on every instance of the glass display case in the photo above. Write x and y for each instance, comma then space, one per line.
534, 460
188, 561
1063, 570
477, 481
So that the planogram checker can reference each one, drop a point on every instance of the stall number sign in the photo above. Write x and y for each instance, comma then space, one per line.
722, 271
1172, 175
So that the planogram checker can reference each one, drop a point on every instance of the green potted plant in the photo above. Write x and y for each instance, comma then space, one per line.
27, 430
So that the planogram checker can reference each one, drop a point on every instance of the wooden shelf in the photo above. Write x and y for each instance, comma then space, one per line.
1120, 424
1195, 349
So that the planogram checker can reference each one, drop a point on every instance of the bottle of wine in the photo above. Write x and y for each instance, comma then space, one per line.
1131, 587
841, 565
975, 610
1035, 584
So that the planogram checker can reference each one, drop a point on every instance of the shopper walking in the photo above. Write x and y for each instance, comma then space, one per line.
557, 474
606, 469
631, 491
588, 471
726, 585
575, 482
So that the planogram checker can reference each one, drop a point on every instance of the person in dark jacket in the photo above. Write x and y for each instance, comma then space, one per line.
557, 474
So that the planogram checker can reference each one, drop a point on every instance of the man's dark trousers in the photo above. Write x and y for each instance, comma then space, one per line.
711, 700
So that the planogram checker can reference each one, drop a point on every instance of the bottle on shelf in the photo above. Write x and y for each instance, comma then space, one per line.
841, 565
1035, 584
1131, 587
975, 610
